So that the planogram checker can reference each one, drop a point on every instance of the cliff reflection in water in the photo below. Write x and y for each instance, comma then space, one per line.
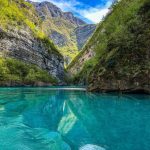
39, 118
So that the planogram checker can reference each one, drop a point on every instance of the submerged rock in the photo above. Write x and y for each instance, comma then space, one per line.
55, 141
91, 147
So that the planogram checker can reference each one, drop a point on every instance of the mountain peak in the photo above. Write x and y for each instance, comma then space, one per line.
75, 20
47, 9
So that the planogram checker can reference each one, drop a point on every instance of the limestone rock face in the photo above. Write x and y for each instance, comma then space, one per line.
58, 39
21, 44
78, 66
47, 9
83, 33
69, 16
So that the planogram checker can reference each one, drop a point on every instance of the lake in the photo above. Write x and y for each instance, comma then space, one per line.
56, 119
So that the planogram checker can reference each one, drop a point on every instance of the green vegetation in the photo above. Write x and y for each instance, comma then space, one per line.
49, 46
81, 76
121, 43
15, 71
65, 28
18, 13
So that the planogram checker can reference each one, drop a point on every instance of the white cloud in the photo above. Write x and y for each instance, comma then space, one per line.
94, 14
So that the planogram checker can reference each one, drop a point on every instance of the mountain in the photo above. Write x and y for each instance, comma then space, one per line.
83, 33
117, 57
47, 9
65, 30
27, 56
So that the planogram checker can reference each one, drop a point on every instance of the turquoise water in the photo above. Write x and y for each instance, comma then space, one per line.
44, 119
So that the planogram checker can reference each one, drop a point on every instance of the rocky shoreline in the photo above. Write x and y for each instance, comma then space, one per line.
138, 90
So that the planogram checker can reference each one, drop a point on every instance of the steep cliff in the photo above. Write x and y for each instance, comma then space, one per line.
122, 54
21, 38
68, 32
83, 33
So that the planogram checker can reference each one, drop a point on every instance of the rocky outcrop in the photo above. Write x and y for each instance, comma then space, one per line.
46, 9
76, 67
110, 81
83, 33
21, 44
71, 18
58, 39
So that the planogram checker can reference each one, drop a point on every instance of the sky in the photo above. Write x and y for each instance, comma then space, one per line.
92, 11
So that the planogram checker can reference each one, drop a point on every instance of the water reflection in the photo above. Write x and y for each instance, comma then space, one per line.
38, 118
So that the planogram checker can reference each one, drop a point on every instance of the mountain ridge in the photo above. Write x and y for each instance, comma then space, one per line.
57, 12
61, 28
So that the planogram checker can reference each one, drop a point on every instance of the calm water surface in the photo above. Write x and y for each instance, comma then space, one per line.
44, 119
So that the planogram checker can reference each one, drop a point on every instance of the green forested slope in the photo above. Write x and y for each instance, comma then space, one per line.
121, 43
14, 72
16, 15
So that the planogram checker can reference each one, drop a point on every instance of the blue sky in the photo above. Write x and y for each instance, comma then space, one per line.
91, 11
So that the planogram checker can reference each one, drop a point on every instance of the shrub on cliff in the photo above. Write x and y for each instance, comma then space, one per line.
12, 70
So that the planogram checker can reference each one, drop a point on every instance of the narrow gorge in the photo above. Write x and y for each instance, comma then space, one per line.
74, 75
27, 33
63, 49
